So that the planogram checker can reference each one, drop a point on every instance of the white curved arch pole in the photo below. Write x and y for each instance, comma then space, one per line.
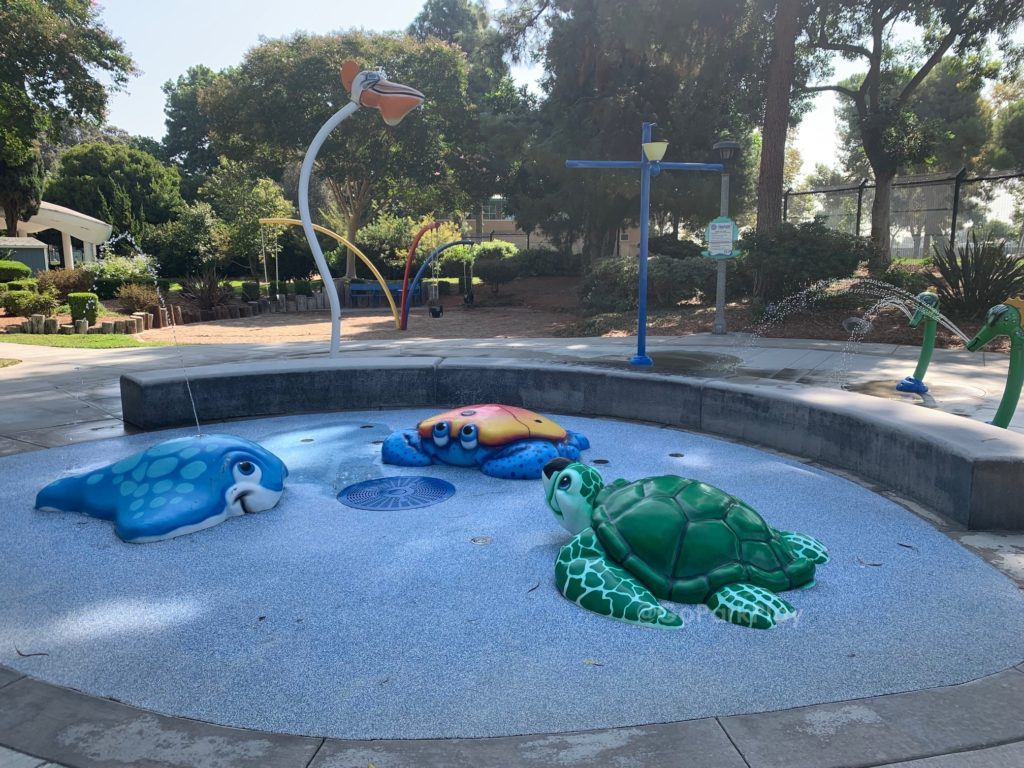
307, 222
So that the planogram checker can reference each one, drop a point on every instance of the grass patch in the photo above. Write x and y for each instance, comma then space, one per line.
80, 341
7, 361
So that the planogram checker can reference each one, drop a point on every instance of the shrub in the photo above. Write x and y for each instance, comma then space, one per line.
611, 285
27, 284
303, 288
137, 298
124, 268
84, 306
206, 289
275, 288
542, 262
671, 280
792, 257
453, 261
13, 270
66, 281
251, 291
495, 249
495, 272
976, 276
28, 303
909, 279
669, 245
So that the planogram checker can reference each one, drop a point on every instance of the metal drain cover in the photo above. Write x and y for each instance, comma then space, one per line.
389, 493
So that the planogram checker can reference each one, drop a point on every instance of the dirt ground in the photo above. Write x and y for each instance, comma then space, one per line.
542, 307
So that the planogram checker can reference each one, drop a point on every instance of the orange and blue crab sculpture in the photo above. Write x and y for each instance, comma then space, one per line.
504, 441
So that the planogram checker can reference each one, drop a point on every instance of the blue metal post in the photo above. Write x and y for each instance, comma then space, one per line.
641, 358
647, 170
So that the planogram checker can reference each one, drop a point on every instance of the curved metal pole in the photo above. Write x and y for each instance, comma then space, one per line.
415, 281
355, 249
408, 264
307, 221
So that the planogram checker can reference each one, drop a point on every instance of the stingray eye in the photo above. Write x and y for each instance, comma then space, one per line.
468, 436
564, 483
441, 430
247, 471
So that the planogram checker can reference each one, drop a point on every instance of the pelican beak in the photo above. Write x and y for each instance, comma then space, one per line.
393, 100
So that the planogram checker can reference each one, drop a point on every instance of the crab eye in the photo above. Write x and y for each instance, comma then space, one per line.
564, 483
246, 467
468, 436
441, 434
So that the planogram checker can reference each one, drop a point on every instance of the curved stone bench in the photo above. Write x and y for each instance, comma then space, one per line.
963, 469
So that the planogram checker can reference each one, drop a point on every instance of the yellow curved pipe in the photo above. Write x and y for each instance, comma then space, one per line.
344, 241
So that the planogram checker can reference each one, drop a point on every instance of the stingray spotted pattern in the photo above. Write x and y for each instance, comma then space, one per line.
176, 487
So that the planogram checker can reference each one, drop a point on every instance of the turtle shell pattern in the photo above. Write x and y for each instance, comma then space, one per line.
685, 539
497, 424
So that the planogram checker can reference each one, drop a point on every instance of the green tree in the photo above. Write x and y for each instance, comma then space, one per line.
952, 124
51, 53
21, 189
187, 141
188, 244
498, 125
892, 135
117, 183
693, 68
241, 198
266, 110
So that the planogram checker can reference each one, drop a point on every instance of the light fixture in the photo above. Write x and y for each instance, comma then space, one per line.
727, 151
655, 150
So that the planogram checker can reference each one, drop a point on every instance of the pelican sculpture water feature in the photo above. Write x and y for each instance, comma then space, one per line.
367, 89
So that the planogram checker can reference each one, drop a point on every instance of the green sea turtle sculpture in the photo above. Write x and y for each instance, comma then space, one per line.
675, 539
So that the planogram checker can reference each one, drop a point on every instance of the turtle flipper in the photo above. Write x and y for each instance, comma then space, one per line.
585, 575
806, 546
750, 606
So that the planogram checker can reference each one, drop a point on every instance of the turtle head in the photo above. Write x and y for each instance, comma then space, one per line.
571, 489
925, 305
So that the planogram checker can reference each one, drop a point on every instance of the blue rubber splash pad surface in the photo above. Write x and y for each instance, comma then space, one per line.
386, 493
315, 618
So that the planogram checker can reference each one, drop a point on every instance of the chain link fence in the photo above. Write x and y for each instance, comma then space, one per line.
926, 210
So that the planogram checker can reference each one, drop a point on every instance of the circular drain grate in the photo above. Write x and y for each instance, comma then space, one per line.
386, 493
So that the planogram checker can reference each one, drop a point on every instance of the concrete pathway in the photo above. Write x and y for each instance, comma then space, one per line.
57, 397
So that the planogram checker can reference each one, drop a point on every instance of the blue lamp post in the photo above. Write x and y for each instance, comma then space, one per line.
650, 164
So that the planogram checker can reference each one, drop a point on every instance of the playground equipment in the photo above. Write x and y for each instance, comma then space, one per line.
650, 164
355, 249
672, 538
367, 89
927, 312
503, 440
1005, 320
406, 294
408, 268
176, 487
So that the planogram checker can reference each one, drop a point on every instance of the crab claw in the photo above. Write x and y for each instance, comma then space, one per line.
369, 89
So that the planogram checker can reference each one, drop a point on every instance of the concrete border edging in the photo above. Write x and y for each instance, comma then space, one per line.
960, 468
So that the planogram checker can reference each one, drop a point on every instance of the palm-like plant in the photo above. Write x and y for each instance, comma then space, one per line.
975, 276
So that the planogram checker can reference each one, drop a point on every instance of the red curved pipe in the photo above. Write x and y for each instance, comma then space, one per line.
408, 264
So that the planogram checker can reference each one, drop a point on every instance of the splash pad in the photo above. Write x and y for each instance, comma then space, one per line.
315, 618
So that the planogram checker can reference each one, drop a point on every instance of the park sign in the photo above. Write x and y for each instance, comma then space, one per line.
721, 234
